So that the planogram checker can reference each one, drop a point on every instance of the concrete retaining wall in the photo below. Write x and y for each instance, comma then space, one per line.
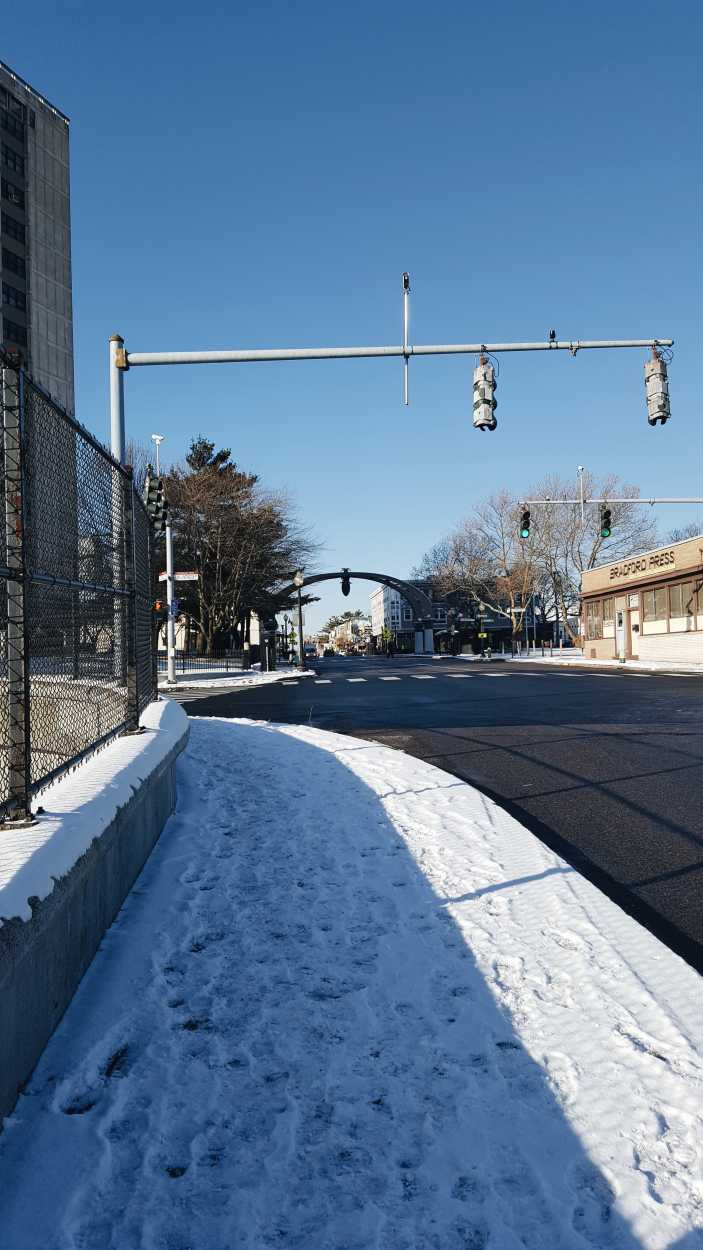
43, 959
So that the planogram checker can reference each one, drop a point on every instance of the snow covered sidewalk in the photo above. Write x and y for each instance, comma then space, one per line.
350, 1005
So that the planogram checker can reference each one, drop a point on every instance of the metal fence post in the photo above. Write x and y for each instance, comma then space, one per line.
130, 602
18, 725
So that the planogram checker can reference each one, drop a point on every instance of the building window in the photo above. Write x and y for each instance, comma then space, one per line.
12, 125
12, 160
594, 621
407, 614
13, 262
655, 604
608, 611
14, 333
11, 193
682, 600
13, 229
12, 297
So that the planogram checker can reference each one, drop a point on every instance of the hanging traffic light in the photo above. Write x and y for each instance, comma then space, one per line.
346, 584
485, 402
525, 524
605, 526
656, 384
155, 501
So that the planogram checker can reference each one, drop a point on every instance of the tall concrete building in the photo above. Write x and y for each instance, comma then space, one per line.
35, 235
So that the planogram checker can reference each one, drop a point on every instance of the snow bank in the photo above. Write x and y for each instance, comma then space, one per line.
80, 806
353, 1005
210, 679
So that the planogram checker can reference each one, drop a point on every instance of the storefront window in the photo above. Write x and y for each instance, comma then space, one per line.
655, 604
594, 622
682, 600
608, 611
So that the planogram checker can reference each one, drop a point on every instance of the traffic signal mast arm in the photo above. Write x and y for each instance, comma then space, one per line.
613, 499
485, 376
129, 359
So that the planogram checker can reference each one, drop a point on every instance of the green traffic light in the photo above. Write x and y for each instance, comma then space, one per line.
605, 532
524, 533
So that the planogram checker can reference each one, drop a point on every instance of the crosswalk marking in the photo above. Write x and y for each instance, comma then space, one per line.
422, 676
323, 681
290, 683
390, 679
356, 679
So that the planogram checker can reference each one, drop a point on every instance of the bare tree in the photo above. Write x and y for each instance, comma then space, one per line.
567, 544
682, 532
484, 558
510, 570
139, 457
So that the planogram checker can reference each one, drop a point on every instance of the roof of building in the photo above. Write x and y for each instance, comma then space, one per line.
35, 94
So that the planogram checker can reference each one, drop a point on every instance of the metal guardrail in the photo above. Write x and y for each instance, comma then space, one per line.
219, 662
76, 649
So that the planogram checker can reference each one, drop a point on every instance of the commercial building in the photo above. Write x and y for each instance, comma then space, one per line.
390, 611
646, 607
35, 236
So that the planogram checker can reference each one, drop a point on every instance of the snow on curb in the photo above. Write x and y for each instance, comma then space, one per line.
580, 661
80, 806
232, 681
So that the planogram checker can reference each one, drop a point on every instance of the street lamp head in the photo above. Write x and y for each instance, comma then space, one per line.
299, 578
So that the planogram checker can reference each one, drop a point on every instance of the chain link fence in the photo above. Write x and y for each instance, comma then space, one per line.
76, 652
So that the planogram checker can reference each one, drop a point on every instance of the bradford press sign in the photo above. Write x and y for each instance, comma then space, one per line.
640, 566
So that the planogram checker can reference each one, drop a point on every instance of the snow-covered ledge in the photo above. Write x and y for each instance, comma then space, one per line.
64, 878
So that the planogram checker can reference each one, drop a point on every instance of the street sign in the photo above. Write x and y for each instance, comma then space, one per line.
180, 577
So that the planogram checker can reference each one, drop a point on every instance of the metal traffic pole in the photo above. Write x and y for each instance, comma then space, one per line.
170, 608
298, 581
158, 439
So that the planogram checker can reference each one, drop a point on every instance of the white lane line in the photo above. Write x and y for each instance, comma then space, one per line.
356, 679
290, 683
390, 679
461, 676
422, 676
323, 681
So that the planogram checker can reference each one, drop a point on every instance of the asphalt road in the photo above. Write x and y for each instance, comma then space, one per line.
605, 767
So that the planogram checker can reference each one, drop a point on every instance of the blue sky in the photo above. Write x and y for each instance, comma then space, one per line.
261, 175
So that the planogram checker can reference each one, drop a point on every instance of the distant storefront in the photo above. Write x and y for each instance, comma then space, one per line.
647, 607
